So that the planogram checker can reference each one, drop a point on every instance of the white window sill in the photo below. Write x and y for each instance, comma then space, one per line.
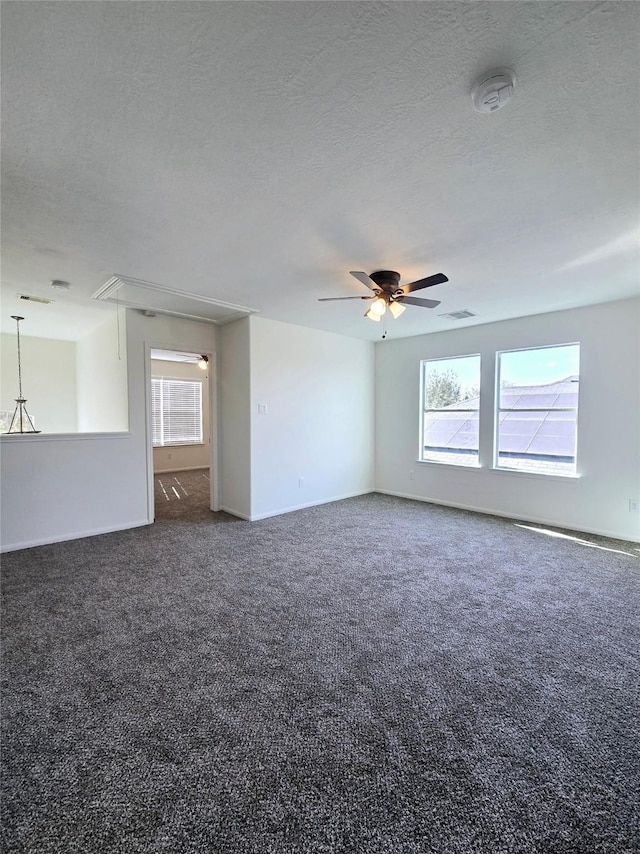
570, 478
565, 478
457, 466
186, 445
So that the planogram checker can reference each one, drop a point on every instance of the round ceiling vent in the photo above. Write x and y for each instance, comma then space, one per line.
493, 90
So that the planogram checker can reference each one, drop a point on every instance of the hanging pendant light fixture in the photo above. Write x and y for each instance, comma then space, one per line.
21, 417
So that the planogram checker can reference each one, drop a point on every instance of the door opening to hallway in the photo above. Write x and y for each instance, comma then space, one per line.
180, 433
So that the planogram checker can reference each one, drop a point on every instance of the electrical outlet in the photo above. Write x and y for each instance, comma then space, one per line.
634, 505
169, 456
263, 409
300, 482
411, 475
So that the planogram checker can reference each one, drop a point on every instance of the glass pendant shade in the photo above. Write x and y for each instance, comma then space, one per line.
396, 309
378, 306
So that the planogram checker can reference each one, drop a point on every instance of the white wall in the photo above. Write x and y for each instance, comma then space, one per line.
608, 422
48, 380
101, 375
319, 392
234, 385
58, 488
182, 457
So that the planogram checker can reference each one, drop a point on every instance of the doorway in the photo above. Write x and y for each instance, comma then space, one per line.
181, 439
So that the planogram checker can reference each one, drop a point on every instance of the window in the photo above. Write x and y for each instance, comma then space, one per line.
176, 412
450, 404
537, 409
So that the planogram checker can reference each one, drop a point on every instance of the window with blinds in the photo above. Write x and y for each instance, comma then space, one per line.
176, 412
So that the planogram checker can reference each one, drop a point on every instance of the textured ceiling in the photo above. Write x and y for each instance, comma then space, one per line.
255, 152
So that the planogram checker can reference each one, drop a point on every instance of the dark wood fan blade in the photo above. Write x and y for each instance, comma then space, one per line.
362, 277
424, 303
332, 299
437, 279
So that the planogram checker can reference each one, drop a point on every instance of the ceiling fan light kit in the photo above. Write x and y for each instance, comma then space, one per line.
388, 293
378, 306
396, 309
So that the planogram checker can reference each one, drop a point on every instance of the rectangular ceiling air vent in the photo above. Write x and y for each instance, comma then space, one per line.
35, 299
459, 315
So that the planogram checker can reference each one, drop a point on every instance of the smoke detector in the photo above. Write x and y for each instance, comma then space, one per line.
493, 90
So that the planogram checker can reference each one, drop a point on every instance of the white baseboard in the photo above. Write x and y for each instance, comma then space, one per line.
284, 510
77, 535
537, 520
182, 468
237, 513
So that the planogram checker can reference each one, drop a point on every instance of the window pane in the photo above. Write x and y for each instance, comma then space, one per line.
538, 409
451, 399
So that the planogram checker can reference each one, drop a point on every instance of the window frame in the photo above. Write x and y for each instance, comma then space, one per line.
498, 410
161, 379
474, 457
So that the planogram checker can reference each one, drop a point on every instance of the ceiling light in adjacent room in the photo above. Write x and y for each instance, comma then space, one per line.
203, 364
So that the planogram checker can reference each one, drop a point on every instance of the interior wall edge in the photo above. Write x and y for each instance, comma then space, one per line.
237, 513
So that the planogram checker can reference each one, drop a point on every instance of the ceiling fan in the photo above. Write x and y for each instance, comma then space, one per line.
388, 293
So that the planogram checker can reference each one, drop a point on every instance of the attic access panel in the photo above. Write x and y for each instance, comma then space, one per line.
148, 296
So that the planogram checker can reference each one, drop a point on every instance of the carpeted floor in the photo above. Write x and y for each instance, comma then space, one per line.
181, 493
376, 676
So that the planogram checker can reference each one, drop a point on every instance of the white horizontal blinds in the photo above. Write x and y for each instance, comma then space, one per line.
156, 412
176, 412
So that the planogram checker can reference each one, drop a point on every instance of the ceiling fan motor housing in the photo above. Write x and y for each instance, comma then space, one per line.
387, 280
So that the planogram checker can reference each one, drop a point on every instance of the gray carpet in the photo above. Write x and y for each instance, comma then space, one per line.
375, 675
181, 493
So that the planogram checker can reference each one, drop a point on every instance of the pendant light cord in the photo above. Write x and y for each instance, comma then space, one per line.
19, 361
17, 319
